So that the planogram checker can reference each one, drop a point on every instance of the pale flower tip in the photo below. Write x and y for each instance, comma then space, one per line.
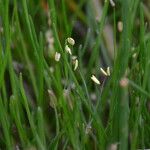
95, 79
57, 56
76, 64
112, 3
108, 71
68, 50
103, 71
71, 41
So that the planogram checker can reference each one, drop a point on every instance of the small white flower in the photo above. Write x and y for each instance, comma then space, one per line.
71, 41
103, 71
95, 79
57, 56
76, 64
108, 71
68, 50
112, 3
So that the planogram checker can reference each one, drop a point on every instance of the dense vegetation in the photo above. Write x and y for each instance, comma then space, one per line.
74, 74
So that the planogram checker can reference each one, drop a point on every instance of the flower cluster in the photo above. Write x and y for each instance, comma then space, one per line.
71, 42
106, 73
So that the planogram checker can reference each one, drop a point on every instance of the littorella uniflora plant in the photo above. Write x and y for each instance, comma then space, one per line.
70, 41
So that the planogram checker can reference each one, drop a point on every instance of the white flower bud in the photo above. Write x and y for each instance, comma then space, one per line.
71, 41
68, 50
108, 71
103, 71
57, 56
76, 64
95, 79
